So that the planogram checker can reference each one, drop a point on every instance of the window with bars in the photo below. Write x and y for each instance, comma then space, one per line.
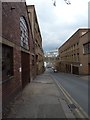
24, 33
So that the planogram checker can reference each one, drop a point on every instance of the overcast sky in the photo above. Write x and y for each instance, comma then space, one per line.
58, 23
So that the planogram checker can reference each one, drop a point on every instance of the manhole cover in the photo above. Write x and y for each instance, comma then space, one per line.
72, 106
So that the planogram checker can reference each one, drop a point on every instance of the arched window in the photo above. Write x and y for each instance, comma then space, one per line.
24, 33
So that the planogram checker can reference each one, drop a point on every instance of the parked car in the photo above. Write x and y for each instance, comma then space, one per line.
54, 70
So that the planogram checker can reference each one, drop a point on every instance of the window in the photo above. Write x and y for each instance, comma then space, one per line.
86, 48
7, 62
32, 60
24, 33
77, 57
77, 43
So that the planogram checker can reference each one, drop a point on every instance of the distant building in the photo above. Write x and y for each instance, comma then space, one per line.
74, 54
17, 42
52, 53
50, 57
39, 54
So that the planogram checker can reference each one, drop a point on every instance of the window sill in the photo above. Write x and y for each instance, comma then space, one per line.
86, 53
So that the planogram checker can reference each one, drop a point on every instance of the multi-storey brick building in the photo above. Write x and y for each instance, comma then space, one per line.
75, 52
17, 45
37, 39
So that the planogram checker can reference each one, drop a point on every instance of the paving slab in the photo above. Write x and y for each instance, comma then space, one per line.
39, 99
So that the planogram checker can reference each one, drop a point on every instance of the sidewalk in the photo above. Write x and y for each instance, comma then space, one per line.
40, 99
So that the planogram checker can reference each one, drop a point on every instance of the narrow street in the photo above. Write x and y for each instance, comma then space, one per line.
45, 63
43, 99
75, 85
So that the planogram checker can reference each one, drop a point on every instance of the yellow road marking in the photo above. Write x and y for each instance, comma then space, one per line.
71, 100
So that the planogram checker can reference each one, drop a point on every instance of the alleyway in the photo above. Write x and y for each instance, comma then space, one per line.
40, 99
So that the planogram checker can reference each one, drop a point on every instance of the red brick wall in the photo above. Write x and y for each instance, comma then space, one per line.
10, 20
11, 32
84, 58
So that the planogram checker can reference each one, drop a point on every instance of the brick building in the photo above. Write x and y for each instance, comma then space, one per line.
75, 52
39, 58
17, 47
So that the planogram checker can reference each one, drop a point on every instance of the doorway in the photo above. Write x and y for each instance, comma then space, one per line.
75, 70
25, 64
89, 68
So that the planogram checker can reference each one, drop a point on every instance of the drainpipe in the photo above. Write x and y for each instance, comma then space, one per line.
71, 68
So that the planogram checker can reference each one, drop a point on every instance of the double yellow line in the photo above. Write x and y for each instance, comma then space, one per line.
81, 113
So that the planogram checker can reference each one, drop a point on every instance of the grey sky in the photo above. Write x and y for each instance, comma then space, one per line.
58, 23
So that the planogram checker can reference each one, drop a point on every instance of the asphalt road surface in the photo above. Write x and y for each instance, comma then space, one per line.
75, 85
